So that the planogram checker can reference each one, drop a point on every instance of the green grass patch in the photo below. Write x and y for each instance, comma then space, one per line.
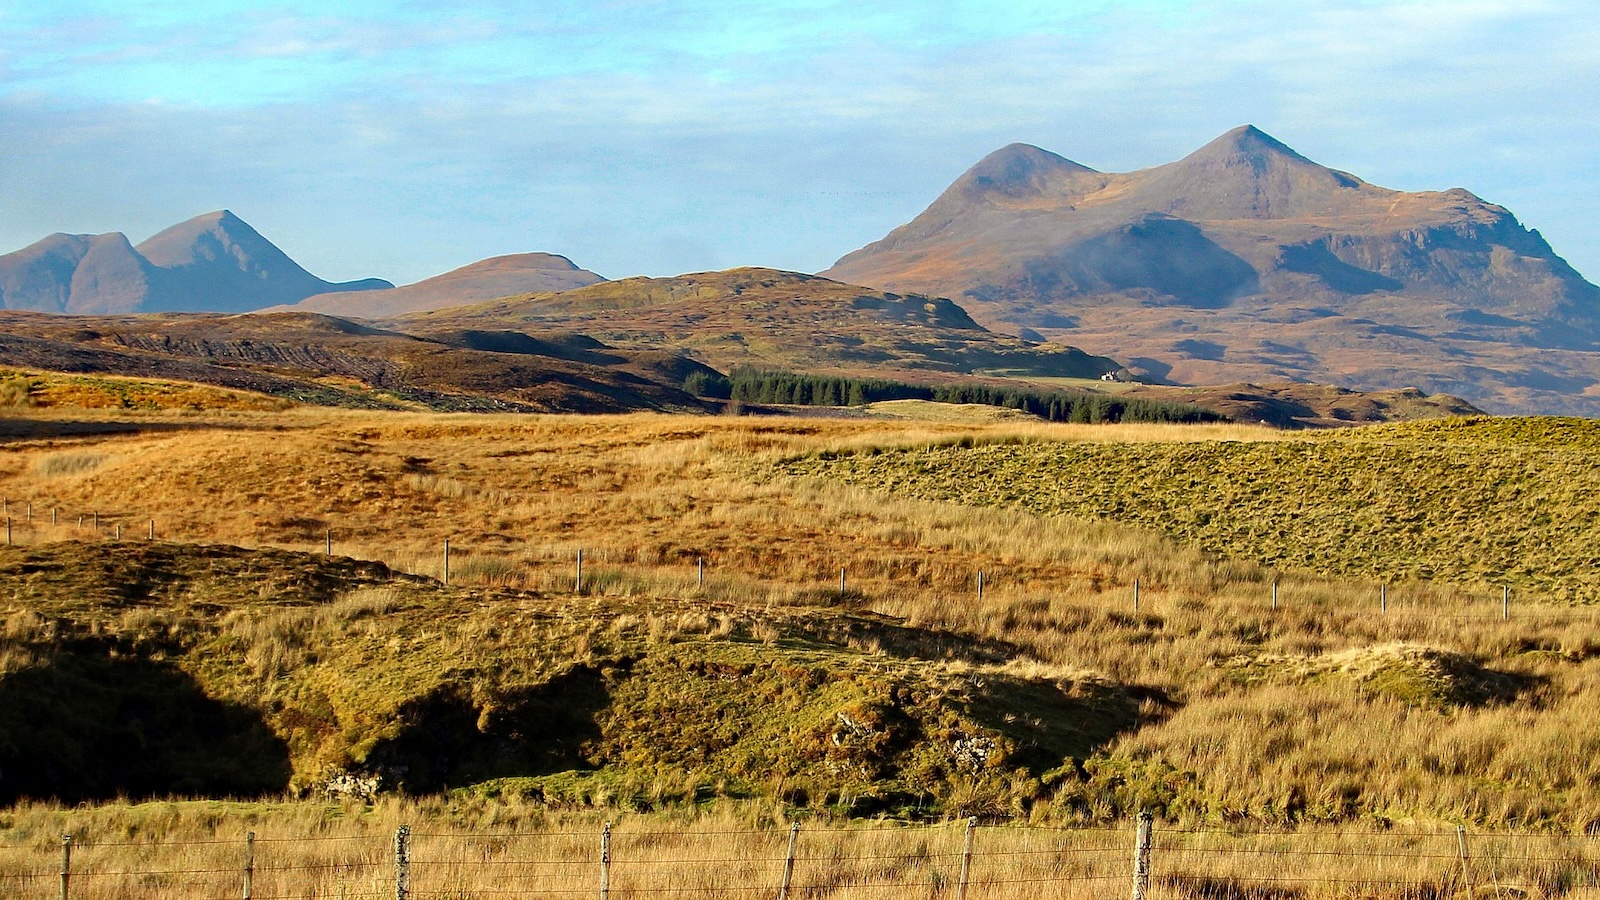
317, 674
1468, 501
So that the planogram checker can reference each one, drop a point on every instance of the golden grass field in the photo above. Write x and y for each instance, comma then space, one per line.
1323, 716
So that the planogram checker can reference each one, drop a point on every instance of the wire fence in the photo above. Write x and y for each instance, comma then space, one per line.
957, 861
557, 569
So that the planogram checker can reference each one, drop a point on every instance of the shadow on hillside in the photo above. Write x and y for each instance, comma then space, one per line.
17, 428
889, 635
1049, 720
1207, 887
89, 726
451, 738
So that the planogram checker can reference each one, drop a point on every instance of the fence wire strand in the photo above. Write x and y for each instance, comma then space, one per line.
849, 859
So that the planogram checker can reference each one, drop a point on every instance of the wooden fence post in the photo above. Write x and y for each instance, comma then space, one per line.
117, 531
1274, 595
52, 515
8, 531
841, 581
446, 560
578, 584
1141, 855
788, 862
1136, 595
66, 864
30, 510
980, 585
152, 529
605, 862
402, 863
249, 862
966, 859
327, 547
700, 571
1461, 843
97, 521
1383, 599
1505, 603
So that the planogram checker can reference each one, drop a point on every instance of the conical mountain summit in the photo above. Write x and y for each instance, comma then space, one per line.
1245, 260
213, 262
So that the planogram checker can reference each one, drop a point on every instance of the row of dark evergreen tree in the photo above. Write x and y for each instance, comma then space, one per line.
748, 385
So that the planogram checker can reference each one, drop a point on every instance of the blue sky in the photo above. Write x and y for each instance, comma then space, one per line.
402, 139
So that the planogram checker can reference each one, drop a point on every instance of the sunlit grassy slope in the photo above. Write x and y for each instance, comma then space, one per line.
1205, 703
1469, 501
292, 669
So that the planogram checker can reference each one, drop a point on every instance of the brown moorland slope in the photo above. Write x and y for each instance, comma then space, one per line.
1486, 719
1247, 261
330, 361
324, 360
499, 276
774, 319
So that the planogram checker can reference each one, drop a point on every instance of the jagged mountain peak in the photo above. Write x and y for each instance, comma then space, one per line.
213, 262
209, 237
1246, 173
1245, 140
1247, 260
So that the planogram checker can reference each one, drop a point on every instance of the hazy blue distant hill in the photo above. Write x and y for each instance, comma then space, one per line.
487, 279
211, 263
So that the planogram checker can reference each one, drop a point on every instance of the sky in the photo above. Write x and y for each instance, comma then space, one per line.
403, 139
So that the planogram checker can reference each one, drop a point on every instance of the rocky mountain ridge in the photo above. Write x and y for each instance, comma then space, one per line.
1247, 261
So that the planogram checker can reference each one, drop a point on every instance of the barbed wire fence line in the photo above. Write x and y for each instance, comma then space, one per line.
951, 861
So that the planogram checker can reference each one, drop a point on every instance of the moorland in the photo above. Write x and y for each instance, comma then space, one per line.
1242, 687
522, 551
318, 620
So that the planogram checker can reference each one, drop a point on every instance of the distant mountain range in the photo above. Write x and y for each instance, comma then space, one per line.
1242, 262
211, 263
1247, 261
218, 263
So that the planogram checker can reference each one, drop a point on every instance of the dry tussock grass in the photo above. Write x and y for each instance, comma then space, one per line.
330, 851
68, 462
645, 497
637, 491
482, 849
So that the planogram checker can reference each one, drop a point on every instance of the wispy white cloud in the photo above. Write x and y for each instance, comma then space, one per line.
654, 137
